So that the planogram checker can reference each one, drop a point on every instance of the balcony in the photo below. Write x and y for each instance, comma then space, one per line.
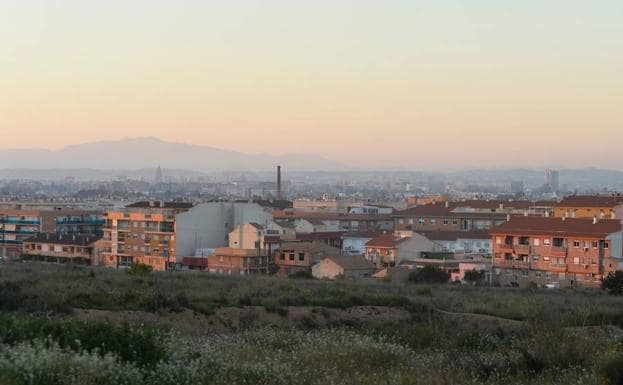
506, 247
559, 250
511, 263
522, 248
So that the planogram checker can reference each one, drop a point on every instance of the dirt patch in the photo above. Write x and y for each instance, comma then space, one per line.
230, 318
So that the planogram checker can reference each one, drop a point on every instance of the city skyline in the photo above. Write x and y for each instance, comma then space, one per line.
415, 85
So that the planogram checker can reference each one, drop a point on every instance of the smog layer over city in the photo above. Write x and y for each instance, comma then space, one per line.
297, 192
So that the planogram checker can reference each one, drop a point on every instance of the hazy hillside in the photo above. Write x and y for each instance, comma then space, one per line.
148, 152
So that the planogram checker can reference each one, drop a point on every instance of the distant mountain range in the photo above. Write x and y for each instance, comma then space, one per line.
139, 153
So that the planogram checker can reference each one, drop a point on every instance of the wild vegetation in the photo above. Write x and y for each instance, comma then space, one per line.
453, 334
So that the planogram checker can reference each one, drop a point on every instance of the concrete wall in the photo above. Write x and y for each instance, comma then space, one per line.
208, 225
411, 248
354, 245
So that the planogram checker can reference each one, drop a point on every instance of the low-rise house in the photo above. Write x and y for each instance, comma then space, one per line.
354, 243
569, 251
293, 257
464, 244
331, 238
470, 266
390, 250
343, 266
230, 261
59, 248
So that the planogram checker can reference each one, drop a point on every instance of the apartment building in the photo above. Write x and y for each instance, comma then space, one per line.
60, 248
446, 216
570, 251
17, 225
339, 221
161, 234
391, 250
143, 233
590, 206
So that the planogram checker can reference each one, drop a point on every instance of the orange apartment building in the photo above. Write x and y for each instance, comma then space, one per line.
145, 232
590, 206
569, 251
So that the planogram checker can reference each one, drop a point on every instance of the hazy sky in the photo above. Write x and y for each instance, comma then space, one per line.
375, 83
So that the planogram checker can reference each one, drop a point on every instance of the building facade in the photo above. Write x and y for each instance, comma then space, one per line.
569, 251
59, 248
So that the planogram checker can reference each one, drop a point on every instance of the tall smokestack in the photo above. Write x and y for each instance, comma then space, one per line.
278, 182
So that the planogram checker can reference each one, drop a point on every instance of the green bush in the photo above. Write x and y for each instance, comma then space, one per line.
301, 274
613, 283
475, 277
139, 269
430, 275
612, 370
140, 345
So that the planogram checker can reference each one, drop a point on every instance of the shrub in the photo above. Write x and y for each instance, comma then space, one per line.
140, 345
613, 283
475, 277
429, 274
139, 269
612, 370
301, 274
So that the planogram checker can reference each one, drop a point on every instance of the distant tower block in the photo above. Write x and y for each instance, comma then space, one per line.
158, 177
278, 182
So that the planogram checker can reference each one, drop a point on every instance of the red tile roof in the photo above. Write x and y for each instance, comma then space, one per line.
522, 225
590, 201
385, 240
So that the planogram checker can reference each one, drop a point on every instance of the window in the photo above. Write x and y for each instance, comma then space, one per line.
282, 256
455, 222
524, 273
498, 240
546, 259
546, 242
445, 222
301, 257
538, 274
421, 221
576, 260
595, 244
411, 221
433, 221
291, 256
548, 275
536, 242
576, 244
536, 258
605, 245
401, 221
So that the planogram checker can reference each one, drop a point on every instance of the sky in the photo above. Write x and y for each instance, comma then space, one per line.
388, 84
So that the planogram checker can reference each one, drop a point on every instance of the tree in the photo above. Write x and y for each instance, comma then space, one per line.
429, 274
613, 283
474, 277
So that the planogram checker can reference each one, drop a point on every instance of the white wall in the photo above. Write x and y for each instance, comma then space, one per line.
207, 225
354, 245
